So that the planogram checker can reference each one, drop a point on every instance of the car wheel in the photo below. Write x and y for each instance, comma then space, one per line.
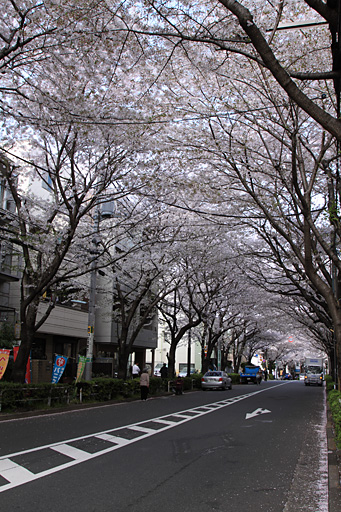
230, 386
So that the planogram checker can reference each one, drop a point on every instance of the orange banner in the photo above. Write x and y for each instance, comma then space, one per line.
4, 357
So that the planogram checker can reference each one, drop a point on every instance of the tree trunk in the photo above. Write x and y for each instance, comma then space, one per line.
171, 359
205, 364
337, 332
20, 364
123, 357
28, 321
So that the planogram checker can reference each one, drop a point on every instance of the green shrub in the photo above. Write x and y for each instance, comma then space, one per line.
193, 382
103, 389
330, 384
157, 385
234, 377
15, 397
334, 399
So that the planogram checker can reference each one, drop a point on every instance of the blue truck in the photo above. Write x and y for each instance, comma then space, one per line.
249, 374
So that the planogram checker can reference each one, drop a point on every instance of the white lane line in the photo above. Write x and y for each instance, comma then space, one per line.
21, 475
72, 452
14, 473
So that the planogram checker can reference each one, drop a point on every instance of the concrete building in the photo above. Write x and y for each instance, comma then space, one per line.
9, 273
181, 355
65, 331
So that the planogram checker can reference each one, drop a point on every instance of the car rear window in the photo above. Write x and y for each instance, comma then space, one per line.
213, 374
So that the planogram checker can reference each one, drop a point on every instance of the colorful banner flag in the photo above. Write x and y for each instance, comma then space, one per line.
28, 366
4, 357
80, 367
58, 368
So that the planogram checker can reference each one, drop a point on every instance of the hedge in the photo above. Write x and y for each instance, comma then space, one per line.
329, 383
33, 396
334, 399
25, 397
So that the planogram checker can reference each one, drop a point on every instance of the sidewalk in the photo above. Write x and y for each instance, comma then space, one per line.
334, 467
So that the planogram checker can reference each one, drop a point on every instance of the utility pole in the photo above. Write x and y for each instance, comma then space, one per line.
104, 210
189, 355
92, 302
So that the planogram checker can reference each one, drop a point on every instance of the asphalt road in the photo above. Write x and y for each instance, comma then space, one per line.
253, 448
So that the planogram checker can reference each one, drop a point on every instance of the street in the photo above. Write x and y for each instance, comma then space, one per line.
251, 448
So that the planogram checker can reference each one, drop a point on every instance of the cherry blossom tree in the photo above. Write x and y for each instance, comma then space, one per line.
55, 233
291, 203
231, 32
141, 275
57, 78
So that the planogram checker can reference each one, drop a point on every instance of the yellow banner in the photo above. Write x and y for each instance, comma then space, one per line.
4, 357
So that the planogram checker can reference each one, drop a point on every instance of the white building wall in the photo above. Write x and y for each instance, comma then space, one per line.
181, 353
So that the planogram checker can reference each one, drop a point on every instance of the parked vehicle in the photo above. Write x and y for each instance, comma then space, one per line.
249, 374
157, 369
215, 379
313, 371
183, 372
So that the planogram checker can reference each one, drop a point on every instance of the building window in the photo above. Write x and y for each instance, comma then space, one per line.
47, 182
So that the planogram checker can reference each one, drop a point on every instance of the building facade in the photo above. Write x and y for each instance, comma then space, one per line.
65, 331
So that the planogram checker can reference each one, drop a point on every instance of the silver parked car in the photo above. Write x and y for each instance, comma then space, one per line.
215, 379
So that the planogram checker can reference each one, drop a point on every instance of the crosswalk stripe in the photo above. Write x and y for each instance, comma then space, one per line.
114, 439
14, 473
71, 451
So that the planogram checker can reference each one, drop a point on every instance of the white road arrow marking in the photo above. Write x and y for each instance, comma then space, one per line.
257, 412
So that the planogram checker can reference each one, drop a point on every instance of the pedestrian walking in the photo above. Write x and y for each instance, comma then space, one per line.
144, 384
259, 377
164, 371
135, 371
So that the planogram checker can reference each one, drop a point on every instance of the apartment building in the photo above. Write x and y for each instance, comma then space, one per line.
65, 331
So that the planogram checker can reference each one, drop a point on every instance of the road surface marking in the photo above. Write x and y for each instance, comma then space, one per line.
113, 439
72, 452
257, 412
16, 474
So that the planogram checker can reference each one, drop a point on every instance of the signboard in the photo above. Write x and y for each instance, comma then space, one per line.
4, 357
80, 367
58, 368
